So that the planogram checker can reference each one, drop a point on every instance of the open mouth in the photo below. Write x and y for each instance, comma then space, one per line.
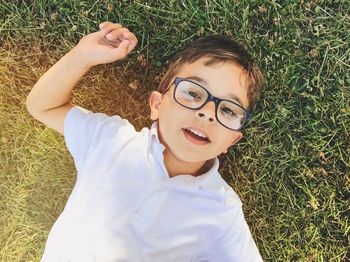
198, 139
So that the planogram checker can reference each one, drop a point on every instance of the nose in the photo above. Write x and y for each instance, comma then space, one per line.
207, 112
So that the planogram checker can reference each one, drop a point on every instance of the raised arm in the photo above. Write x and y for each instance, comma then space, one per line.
50, 99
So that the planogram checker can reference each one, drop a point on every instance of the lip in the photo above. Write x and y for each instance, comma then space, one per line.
199, 129
194, 141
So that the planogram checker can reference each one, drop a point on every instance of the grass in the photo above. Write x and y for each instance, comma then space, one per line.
292, 169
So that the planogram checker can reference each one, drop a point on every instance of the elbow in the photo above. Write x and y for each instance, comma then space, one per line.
30, 106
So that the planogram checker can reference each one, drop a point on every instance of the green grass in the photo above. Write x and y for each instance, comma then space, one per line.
292, 169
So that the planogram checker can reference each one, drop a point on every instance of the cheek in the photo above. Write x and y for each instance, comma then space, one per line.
169, 121
225, 140
172, 113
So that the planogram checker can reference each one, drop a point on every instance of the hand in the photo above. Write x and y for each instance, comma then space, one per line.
113, 42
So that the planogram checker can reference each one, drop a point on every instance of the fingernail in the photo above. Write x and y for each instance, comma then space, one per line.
109, 36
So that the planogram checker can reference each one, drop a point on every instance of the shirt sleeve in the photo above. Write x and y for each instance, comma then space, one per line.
83, 129
237, 244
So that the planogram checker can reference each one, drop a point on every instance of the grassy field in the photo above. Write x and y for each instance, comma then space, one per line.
291, 170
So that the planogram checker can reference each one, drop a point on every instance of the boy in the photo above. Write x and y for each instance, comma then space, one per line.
154, 195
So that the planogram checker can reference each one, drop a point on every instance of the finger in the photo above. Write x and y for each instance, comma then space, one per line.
104, 24
132, 40
133, 43
121, 51
101, 25
110, 27
117, 34
131, 37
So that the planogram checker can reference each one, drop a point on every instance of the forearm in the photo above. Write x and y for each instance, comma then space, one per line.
54, 88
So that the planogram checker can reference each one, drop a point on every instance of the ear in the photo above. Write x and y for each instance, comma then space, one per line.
236, 138
155, 100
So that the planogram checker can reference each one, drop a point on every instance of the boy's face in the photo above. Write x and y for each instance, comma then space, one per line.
222, 80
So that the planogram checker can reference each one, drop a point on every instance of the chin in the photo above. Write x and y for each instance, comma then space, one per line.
186, 153
190, 158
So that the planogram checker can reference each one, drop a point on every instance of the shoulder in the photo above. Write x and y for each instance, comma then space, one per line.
230, 197
87, 132
86, 120
236, 242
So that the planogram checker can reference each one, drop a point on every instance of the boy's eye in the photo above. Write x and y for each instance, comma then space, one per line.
228, 111
194, 94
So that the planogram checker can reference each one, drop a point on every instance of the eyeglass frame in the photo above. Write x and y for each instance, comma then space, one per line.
210, 97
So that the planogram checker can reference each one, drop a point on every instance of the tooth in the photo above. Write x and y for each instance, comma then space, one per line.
197, 133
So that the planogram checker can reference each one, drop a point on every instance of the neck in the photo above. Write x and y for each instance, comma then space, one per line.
177, 167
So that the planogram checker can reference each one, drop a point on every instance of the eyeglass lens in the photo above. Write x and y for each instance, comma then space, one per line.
194, 96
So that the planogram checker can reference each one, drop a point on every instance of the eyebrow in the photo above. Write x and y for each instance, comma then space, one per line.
203, 81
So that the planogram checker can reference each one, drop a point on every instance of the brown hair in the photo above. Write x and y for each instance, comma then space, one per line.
218, 49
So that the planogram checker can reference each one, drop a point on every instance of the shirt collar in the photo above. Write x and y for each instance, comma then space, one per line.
154, 136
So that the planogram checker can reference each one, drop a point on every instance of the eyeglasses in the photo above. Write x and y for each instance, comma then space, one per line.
194, 96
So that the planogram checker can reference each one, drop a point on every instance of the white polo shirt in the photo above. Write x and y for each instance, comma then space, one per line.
124, 207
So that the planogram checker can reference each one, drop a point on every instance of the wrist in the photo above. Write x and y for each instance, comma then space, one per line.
79, 59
